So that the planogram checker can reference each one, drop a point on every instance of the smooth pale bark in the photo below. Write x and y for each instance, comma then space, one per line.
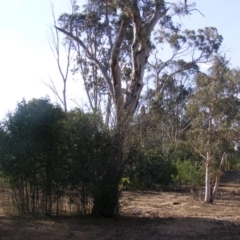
214, 193
208, 181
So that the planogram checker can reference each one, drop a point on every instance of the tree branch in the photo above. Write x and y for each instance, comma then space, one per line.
90, 56
114, 64
155, 18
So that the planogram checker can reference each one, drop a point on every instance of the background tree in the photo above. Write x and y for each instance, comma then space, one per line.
164, 120
58, 49
214, 111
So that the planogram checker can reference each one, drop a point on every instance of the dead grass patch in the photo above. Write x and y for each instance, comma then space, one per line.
144, 215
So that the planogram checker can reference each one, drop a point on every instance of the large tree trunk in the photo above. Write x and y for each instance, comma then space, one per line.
107, 194
106, 199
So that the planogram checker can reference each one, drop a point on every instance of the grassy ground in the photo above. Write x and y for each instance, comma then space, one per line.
144, 215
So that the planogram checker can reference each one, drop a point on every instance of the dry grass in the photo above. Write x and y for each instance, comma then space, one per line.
148, 215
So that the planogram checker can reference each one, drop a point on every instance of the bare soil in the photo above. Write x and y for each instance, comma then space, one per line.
144, 215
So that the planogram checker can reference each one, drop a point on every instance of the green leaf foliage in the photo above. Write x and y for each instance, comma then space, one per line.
31, 151
146, 168
46, 153
188, 173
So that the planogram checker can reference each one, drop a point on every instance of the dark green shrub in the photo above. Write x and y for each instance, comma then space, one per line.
188, 173
146, 169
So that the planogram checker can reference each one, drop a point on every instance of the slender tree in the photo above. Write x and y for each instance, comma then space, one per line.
214, 110
64, 55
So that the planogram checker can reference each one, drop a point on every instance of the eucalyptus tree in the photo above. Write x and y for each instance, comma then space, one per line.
164, 120
215, 114
114, 41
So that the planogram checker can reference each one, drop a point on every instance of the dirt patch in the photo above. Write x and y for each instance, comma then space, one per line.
144, 215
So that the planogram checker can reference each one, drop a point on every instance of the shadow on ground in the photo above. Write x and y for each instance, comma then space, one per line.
121, 228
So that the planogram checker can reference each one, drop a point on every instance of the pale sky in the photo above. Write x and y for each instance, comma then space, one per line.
26, 58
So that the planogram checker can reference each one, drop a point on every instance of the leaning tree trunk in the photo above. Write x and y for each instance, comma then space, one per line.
214, 193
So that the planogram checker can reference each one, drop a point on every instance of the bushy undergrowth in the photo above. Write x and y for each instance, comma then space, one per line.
188, 173
48, 156
146, 169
